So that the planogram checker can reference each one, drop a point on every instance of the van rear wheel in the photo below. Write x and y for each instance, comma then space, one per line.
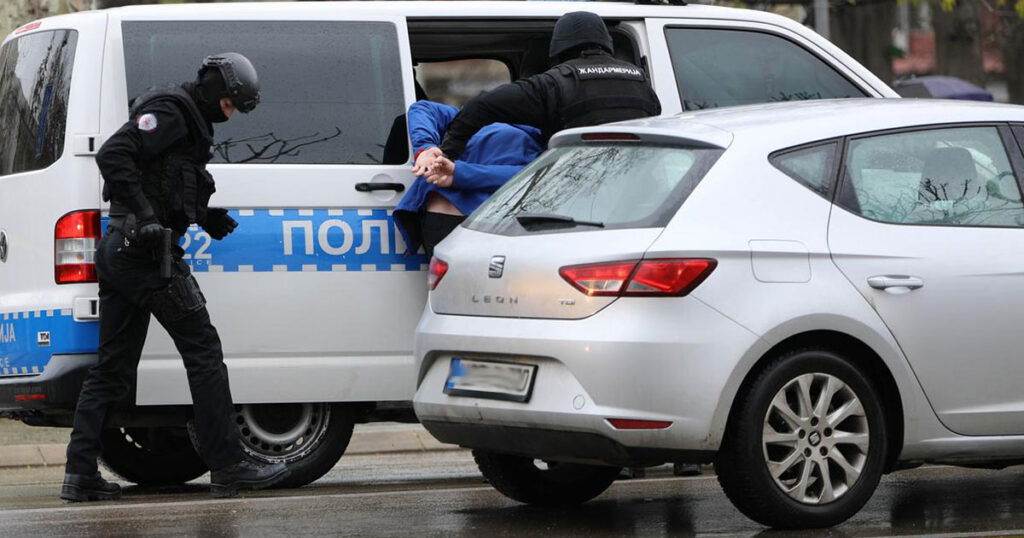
309, 438
541, 483
151, 456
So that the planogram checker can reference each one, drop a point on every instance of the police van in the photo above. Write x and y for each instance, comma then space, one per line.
313, 295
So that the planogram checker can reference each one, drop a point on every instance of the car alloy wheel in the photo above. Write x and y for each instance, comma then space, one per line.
816, 438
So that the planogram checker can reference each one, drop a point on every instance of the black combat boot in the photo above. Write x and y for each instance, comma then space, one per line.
246, 475
81, 488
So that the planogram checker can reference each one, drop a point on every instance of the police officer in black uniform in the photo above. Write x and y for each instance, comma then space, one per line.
154, 171
587, 87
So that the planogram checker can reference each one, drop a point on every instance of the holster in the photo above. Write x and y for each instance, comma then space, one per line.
180, 298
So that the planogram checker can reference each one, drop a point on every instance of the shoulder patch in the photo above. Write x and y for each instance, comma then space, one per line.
147, 123
627, 72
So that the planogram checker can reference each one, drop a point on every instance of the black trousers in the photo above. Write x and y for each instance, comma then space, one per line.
131, 288
434, 227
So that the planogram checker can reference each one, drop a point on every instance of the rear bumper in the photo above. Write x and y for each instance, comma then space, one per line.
659, 360
559, 445
56, 389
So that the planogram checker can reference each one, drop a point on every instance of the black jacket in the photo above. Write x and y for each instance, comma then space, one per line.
154, 165
590, 90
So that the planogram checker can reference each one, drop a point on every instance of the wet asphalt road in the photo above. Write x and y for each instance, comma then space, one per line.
441, 494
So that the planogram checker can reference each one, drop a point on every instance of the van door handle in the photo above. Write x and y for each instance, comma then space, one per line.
368, 187
887, 282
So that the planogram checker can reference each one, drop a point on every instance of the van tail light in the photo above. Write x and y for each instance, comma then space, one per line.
437, 270
74, 247
645, 278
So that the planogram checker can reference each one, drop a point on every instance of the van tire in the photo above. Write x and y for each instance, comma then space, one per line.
308, 456
562, 484
151, 456
745, 458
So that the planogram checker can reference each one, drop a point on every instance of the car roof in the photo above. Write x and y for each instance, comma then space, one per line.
442, 9
781, 125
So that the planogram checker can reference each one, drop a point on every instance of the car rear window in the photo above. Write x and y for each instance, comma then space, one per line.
35, 80
716, 68
331, 91
616, 185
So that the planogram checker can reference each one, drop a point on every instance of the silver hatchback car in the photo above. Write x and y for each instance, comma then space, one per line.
808, 295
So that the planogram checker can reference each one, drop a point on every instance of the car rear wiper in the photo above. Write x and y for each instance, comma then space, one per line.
534, 219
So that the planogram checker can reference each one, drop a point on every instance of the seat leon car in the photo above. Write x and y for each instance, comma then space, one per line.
808, 295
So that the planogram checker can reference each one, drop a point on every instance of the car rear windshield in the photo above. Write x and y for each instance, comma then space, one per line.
597, 186
35, 81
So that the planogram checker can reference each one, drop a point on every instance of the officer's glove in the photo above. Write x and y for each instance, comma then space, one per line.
218, 223
150, 232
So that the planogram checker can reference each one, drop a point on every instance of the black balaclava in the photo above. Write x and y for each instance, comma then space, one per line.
207, 91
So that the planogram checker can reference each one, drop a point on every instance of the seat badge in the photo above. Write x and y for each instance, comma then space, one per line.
496, 267
3, 246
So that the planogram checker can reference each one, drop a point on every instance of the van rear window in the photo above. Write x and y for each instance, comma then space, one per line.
35, 80
598, 186
331, 91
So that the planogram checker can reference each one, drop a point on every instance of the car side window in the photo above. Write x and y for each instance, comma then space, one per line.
951, 176
331, 90
717, 67
813, 167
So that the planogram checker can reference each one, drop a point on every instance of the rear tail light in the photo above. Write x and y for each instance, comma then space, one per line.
437, 270
74, 247
646, 278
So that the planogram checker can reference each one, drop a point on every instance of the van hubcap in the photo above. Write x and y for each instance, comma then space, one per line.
815, 438
282, 432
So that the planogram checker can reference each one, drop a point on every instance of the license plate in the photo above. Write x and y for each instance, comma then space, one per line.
490, 379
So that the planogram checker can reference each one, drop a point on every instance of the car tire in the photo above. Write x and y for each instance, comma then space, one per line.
816, 465
151, 456
309, 438
560, 484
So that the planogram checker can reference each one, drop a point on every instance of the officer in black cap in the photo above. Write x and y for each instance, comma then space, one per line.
587, 87
154, 171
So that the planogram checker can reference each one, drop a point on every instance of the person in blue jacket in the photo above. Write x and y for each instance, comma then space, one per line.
446, 191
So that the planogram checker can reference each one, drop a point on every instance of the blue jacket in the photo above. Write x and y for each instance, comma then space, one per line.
492, 156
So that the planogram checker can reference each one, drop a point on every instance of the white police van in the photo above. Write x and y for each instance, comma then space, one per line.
314, 300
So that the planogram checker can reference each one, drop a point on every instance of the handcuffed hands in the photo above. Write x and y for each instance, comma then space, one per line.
442, 172
218, 223
425, 159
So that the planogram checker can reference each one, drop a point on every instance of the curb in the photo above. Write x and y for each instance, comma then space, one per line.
369, 439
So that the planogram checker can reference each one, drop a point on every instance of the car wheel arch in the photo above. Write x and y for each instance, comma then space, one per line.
855, 350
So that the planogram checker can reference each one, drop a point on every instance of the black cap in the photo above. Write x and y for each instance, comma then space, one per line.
242, 84
579, 28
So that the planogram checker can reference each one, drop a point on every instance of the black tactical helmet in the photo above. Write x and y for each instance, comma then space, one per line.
240, 78
579, 28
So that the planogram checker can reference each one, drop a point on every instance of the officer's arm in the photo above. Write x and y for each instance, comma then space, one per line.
427, 123
144, 137
528, 101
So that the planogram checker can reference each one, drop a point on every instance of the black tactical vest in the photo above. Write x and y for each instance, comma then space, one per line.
176, 184
597, 88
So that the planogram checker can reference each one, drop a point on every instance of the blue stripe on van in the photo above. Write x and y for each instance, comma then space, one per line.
29, 339
303, 240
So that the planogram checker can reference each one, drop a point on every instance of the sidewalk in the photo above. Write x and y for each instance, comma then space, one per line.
367, 439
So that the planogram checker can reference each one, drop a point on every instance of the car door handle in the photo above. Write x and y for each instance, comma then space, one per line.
368, 187
885, 282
